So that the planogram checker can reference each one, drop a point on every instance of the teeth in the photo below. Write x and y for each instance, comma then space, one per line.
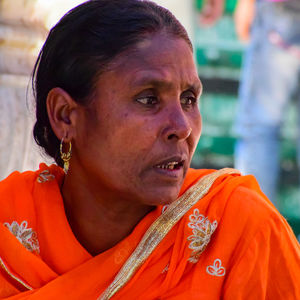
170, 165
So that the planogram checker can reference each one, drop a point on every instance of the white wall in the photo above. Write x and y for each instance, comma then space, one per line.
183, 11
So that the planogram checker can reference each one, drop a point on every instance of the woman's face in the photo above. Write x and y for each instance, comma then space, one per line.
136, 140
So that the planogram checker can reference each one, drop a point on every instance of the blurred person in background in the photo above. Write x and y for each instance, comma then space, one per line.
270, 79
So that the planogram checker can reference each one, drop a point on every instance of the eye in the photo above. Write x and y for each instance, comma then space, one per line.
147, 100
188, 99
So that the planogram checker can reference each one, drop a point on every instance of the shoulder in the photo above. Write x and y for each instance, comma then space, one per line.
258, 216
251, 209
25, 180
247, 218
229, 190
245, 204
258, 239
239, 206
16, 186
251, 204
235, 230
17, 190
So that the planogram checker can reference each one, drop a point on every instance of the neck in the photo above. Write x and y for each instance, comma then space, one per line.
98, 218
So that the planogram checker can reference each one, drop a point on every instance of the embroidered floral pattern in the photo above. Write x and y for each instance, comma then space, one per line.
202, 230
216, 269
120, 256
26, 236
45, 176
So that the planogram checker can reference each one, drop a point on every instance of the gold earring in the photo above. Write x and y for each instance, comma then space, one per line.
65, 156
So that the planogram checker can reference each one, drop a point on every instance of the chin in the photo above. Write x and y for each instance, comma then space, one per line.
162, 198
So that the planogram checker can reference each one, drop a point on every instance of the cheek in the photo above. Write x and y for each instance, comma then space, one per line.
200, 124
197, 126
132, 136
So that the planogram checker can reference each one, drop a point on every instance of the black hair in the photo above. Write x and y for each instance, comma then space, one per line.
82, 44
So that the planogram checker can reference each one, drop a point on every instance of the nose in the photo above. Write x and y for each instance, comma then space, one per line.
177, 126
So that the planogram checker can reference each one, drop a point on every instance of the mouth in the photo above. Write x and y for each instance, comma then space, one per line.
171, 164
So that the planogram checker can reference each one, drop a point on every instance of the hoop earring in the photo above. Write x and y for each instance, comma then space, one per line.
65, 156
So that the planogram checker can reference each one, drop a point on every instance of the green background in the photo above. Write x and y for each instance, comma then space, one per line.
219, 57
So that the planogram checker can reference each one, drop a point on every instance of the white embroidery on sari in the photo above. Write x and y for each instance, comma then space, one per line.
166, 269
216, 269
45, 176
26, 236
202, 230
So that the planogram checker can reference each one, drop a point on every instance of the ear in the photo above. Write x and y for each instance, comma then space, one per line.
62, 111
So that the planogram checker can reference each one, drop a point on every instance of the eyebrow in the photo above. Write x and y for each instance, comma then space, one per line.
153, 81
159, 83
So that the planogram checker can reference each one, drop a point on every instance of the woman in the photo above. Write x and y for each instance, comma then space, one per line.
116, 104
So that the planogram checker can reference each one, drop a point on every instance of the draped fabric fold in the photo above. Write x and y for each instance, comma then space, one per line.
221, 246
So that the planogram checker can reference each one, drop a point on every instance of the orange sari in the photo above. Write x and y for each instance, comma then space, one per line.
230, 244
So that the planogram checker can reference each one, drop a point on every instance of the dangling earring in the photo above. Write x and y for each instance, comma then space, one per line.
65, 156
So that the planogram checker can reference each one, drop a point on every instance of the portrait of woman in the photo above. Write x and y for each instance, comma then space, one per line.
121, 215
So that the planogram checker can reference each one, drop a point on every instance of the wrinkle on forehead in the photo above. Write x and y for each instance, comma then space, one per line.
162, 60
165, 81
159, 43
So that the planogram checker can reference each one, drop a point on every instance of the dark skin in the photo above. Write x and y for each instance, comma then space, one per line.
144, 116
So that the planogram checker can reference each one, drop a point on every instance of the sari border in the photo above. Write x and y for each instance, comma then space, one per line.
5, 268
160, 228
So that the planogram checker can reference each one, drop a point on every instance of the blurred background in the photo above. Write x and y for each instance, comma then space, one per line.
219, 54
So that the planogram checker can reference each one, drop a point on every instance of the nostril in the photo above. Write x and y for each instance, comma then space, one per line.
171, 136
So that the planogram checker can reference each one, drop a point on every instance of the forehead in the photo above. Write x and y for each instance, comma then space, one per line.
160, 56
